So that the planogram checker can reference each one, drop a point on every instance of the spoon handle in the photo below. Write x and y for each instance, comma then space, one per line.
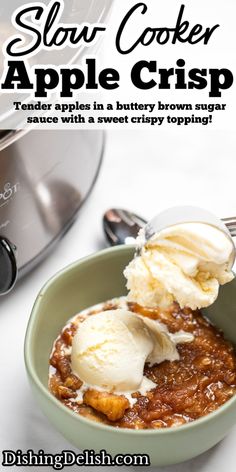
231, 225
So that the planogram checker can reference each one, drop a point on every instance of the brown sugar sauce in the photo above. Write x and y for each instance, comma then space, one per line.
200, 382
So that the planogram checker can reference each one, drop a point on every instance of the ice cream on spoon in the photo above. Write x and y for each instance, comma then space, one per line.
185, 263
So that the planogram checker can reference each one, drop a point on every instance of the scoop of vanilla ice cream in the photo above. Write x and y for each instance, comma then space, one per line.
185, 263
110, 349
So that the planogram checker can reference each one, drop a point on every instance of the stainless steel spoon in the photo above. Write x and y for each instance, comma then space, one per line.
121, 226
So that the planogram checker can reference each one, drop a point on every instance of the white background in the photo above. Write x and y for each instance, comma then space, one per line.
146, 172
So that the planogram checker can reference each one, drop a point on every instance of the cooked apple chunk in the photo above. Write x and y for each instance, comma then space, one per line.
111, 405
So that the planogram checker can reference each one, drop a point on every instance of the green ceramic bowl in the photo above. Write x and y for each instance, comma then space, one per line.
88, 282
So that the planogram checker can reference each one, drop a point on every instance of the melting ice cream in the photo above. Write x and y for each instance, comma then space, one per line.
110, 349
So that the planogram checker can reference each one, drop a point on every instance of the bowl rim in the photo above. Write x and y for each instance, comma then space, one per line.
220, 411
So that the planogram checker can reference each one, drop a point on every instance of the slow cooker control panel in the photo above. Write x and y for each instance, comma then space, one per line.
8, 265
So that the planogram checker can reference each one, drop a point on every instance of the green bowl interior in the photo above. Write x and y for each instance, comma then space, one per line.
88, 282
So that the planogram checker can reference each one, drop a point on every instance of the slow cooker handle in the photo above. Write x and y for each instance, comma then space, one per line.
8, 266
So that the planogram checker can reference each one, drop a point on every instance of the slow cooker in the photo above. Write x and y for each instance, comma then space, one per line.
45, 176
